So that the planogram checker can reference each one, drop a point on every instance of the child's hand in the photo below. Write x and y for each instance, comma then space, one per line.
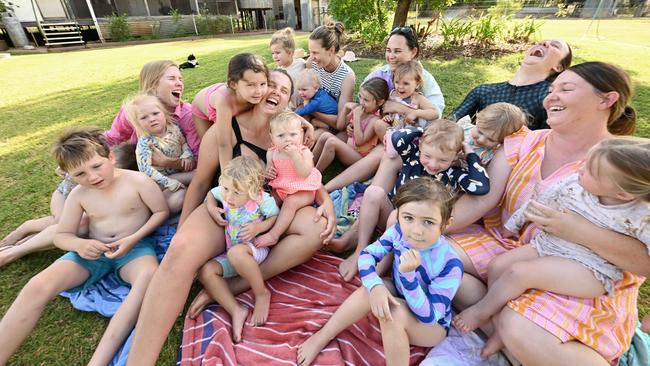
217, 215
271, 173
387, 118
350, 130
188, 164
409, 261
92, 249
291, 150
119, 248
351, 105
177, 187
467, 149
248, 232
380, 301
411, 118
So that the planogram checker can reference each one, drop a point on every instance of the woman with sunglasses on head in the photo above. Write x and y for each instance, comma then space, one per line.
527, 88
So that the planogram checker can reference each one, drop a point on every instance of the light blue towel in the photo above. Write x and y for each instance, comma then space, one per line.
639, 352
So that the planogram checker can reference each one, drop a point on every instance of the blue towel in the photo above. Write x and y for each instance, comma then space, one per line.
106, 296
639, 352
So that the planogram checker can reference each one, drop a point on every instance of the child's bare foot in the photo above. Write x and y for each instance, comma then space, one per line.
261, 310
310, 348
348, 268
470, 319
12, 238
645, 324
493, 345
198, 304
238, 320
266, 240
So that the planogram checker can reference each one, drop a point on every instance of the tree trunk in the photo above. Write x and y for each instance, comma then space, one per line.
401, 13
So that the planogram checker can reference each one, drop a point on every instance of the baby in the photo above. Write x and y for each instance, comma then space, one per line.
315, 98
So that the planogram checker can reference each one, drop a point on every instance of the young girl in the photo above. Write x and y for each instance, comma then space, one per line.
493, 124
612, 191
290, 166
246, 86
155, 129
361, 135
426, 274
283, 46
248, 211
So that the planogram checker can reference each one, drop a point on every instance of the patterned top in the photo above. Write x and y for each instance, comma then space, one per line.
320, 102
398, 118
288, 181
122, 130
429, 289
172, 145
333, 81
472, 179
251, 211
527, 97
430, 88
630, 218
484, 153
605, 323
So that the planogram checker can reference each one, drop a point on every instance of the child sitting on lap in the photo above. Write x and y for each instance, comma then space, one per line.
315, 98
123, 207
248, 211
493, 124
290, 165
155, 128
612, 191
426, 274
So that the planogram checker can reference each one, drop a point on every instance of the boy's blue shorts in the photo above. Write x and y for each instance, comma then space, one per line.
101, 266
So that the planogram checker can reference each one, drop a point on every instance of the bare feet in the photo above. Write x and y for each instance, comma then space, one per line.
266, 240
12, 238
348, 268
261, 310
470, 319
493, 345
238, 320
198, 304
309, 349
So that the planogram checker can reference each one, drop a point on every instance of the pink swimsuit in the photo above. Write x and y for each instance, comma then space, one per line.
288, 181
212, 112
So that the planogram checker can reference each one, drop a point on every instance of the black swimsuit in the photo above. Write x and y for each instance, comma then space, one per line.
236, 150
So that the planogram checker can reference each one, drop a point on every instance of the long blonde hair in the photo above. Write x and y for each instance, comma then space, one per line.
631, 157
151, 73
131, 106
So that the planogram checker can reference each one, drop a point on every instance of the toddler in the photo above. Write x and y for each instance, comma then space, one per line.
283, 47
612, 191
248, 211
155, 129
290, 165
361, 134
315, 98
426, 274
493, 124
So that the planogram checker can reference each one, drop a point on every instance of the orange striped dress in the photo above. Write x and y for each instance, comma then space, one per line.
605, 324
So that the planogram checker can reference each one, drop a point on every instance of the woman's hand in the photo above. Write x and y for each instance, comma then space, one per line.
308, 138
188, 164
380, 300
248, 232
160, 159
563, 224
325, 210
217, 214
391, 106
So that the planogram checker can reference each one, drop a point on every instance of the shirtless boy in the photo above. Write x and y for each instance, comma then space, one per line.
123, 207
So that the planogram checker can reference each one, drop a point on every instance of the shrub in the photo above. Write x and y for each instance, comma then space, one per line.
177, 19
368, 18
488, 29
118, 27
523, 30
207, 23
455, 31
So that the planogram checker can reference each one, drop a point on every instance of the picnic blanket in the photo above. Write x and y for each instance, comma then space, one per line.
347, 203
303, 299
106, 296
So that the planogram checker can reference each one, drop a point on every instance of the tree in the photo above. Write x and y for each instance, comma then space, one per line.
403, 6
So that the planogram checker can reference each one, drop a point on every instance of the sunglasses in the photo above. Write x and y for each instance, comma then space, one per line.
402, 30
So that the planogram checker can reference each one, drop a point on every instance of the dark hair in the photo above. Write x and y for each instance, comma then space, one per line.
242, 62
409, 35
565, 62
330, 34
285, 73
124, 154
426, 189
606, 78
377, 87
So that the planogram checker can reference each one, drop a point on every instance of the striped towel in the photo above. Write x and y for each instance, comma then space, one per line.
303, 299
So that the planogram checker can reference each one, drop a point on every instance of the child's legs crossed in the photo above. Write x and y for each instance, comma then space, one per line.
25, 311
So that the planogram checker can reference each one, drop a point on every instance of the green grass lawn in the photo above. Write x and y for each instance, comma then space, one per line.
43, 94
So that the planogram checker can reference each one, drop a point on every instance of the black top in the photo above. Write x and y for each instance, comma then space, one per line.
236, 150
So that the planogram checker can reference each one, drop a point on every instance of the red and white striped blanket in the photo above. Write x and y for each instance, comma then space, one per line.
303, 299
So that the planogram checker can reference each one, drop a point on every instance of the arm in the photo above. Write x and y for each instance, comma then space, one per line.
517, 220
205, 171
153, 198
309, 107
347, 89
468, 107
143, 155
303, 160
572, 227
269, 210
222, 123
326, 210
468, 209
426, 110
431, 90
432, 303
403, 141
121, 130
473, 180
373, 254
66, 233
